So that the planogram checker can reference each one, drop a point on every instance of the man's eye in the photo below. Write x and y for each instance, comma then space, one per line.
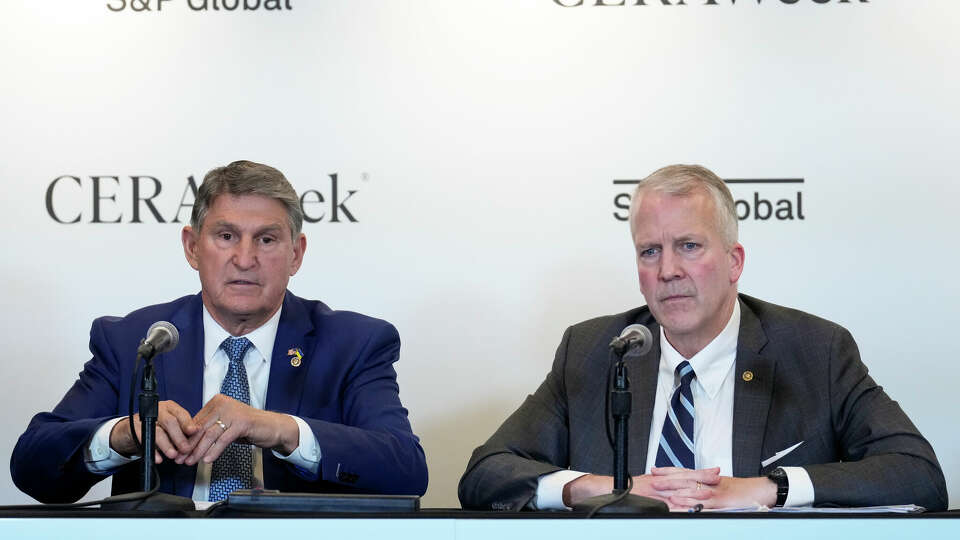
690, 246
267, 240
649, 252
226, 236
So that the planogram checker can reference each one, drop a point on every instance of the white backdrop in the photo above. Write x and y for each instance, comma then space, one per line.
482, 140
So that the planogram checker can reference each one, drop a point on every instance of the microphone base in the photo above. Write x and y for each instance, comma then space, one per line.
156, 503
631, 504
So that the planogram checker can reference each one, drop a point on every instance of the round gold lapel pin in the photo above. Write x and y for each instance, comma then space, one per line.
296, 357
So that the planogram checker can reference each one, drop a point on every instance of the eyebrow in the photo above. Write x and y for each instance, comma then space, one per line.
692, 237
272, 228
269, 228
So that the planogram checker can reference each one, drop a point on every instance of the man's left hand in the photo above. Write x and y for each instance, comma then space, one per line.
224, 420
729, 492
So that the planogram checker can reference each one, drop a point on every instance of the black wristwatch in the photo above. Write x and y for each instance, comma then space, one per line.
779, 477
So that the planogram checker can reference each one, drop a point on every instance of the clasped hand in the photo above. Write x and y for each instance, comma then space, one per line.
223, 420
682, 488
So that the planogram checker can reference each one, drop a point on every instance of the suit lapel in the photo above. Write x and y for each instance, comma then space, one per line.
287, 371
752, 394
180, 372
181, 369
643, 379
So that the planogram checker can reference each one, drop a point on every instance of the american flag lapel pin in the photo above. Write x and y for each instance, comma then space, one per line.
296, 356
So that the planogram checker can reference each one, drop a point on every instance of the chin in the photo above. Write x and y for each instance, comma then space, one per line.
243, 310
677, 323
674, 312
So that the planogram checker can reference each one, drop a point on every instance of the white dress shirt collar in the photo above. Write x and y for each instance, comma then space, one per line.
712, 363
262, 338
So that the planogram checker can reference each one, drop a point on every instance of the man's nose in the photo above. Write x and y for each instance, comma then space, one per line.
670, 268
245, 254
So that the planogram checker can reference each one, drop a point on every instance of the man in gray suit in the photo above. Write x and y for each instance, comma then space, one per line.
777, 410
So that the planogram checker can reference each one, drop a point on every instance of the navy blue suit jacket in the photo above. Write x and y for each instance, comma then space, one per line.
345, 388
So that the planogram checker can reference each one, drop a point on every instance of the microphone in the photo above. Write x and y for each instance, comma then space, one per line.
161, 337
618, 406
634, 336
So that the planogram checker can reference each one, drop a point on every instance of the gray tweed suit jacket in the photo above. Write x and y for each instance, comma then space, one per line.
808, 384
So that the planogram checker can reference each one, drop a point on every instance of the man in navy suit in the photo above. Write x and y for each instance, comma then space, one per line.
319, 409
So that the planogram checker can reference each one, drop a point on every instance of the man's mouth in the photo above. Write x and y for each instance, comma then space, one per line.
242, 282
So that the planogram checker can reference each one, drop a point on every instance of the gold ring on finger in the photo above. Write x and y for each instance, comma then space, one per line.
699, 484
224, 427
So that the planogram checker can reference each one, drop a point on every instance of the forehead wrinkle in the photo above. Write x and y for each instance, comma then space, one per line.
224, 223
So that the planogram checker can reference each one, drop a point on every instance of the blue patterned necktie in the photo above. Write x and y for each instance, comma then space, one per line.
676, 441
234, 468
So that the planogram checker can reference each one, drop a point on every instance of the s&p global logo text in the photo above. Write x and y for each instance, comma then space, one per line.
772, 199
115, 199
156, 6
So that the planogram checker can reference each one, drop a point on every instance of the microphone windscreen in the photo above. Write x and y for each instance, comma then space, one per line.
169, 344
639, 336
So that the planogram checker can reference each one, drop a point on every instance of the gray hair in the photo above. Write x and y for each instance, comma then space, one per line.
247, 178
682, 181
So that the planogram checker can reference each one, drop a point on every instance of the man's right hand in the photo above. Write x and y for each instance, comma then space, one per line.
591, 485
177, 433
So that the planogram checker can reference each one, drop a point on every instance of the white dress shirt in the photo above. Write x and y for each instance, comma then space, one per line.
101, 458
712, 391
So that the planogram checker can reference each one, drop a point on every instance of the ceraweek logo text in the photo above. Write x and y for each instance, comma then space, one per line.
74, 199
156, 6
758, 207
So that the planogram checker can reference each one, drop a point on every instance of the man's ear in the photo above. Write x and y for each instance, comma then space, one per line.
189, 238
299, 248
737, 256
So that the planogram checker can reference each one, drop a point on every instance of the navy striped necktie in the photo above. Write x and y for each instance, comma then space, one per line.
234, 468
676, 441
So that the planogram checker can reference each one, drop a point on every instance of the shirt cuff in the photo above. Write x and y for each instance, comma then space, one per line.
307, 455
800, 492
98, 455
550, 489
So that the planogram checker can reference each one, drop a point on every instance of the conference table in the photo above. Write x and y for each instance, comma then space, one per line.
439, 523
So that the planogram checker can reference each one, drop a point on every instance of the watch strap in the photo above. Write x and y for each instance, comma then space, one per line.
779, 477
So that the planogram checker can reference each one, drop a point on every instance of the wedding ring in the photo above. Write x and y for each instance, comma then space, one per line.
699, 485
224, 427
